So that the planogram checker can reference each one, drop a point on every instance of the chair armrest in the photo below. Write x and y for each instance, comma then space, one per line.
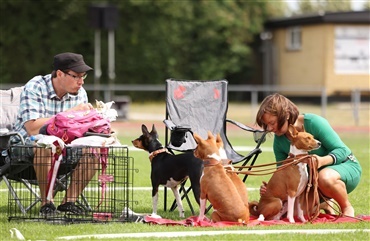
243, 127
5, 139
170, 125
258, 135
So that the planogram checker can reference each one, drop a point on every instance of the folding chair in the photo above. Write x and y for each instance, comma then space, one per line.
201, 106
19, 166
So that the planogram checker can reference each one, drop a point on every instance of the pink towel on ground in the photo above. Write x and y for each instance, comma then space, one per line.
192, 221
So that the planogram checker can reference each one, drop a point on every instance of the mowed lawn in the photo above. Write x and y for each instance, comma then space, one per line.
339, 115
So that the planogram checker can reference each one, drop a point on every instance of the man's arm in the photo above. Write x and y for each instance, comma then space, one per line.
33, 126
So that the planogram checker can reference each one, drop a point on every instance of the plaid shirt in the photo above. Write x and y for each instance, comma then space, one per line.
39, 100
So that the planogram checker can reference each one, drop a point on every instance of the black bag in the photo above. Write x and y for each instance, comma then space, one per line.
178, 135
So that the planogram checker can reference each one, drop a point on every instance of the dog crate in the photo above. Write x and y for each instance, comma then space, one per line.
104, 199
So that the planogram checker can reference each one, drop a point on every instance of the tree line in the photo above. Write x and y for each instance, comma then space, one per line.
154, 40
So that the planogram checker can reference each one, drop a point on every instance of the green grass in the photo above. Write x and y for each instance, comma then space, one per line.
358, 141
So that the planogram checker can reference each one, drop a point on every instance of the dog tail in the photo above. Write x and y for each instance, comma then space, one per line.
253, 208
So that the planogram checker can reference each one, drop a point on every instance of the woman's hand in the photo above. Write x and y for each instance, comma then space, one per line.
263, 188
322, 160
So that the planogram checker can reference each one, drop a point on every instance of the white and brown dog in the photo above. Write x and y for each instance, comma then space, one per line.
288, 183
216, 186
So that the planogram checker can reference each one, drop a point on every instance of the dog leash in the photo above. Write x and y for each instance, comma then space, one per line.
313, 182
337, 208
285, 163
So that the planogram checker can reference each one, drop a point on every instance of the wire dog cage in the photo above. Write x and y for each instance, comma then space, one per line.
104, 198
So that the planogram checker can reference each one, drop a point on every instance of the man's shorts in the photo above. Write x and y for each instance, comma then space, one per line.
22, 160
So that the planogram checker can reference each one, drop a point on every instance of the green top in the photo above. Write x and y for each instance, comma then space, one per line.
331, 144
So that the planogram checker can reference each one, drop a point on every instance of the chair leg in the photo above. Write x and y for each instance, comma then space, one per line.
207, 210
165, 199
84, 203
32, 190
23, 209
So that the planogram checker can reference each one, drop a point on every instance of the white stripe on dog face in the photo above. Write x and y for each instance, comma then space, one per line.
215, 156
222, 153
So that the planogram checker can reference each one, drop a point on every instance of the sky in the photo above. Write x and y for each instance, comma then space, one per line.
356, 4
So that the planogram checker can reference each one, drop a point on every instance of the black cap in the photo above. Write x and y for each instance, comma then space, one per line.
72, 61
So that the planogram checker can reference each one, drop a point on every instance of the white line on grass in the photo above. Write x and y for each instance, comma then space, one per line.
118, 188
200, 233
236, 148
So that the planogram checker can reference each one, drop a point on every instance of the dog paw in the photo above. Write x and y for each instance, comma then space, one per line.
303, 220
261, 218
291, 220
154, 215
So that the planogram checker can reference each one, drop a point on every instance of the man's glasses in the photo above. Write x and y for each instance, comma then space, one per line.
75, 77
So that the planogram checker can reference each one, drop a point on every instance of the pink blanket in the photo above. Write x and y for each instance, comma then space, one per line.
192, 221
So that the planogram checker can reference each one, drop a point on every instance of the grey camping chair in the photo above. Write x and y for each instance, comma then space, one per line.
201, 106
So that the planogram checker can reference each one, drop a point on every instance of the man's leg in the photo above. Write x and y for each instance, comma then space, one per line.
42, 163
85, 170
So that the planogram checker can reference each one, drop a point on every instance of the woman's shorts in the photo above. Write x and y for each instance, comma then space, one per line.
350, 173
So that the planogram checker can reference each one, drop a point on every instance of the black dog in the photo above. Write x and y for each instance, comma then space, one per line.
168, 169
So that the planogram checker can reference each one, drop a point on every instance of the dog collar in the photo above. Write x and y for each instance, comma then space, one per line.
210, 162
155, 153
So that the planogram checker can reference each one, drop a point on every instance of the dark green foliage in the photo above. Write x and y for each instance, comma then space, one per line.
155, 40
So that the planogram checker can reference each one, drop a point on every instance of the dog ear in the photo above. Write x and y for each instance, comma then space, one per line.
197, 137
218, 138
144, 129
210, 135
303, 130
292, 131
153, 129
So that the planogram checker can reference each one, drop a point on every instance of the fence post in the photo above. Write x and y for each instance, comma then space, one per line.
254, 102
324, 102
356, 100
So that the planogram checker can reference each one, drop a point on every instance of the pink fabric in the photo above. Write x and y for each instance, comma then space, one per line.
103, 178
192, 221
69, 125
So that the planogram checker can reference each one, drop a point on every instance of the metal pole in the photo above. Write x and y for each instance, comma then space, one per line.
254, 102
356, 100
324, 102
111, 63
97, 63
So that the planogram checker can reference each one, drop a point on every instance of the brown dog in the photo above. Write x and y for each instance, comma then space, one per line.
238, 183
287, 184
216, 186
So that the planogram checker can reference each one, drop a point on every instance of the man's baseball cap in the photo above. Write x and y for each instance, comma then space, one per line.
72, 61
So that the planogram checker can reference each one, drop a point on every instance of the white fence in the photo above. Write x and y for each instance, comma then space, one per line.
254, 91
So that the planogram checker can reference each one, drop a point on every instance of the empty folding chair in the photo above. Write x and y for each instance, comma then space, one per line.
201, 106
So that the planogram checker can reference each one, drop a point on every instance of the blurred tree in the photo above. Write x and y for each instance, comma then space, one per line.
155, 40
366, 5
31, 32
316, 6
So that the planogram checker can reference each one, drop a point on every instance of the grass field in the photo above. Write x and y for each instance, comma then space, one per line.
339, 115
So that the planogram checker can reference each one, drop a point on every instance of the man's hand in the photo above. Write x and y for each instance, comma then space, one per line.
82, 106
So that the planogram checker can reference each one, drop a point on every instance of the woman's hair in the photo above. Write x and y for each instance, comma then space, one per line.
280, 106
